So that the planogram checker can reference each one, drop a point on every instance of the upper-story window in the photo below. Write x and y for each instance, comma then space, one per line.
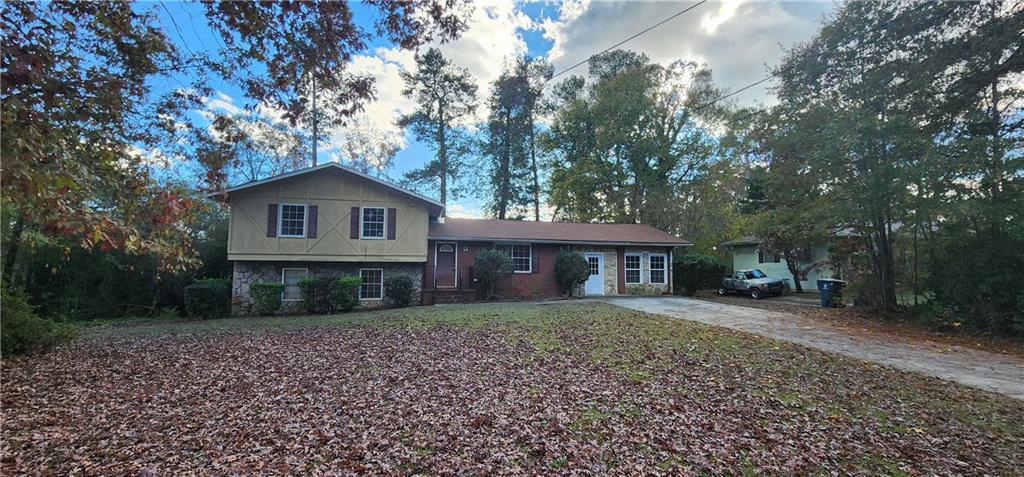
292, 221
659, 263
520, 255
373, 223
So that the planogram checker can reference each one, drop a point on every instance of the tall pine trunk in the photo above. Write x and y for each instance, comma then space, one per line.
442, 154
533, 167
504, 169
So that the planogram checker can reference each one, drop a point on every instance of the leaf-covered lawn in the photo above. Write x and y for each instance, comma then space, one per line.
485, 389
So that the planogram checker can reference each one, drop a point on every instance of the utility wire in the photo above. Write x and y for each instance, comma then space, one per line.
794, 65
656, 25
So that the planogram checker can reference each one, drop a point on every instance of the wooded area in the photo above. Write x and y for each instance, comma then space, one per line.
899, 124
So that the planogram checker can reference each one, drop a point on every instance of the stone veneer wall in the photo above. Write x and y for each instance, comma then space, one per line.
611, 265
645, 288
611, 269
247, 273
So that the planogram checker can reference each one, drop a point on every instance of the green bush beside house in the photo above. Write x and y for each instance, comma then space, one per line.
267, 297
571, 271
347, 293
490, 267
694, 271
208, 298
399, 289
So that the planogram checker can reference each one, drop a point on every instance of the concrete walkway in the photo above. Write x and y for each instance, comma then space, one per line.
988, 371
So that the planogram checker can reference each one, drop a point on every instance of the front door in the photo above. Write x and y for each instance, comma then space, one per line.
595, 283
444, 265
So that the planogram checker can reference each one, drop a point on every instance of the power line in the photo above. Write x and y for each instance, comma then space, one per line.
794, 65
656, 25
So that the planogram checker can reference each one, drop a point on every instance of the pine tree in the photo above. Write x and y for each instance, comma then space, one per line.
445, 95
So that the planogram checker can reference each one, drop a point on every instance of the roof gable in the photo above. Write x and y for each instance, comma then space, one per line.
436, 208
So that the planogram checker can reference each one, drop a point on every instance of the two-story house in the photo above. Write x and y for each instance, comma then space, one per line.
329, 220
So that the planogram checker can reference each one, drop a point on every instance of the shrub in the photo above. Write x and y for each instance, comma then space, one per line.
347, 293
25, 332
694, 271
267, 297
399, 289
491, 266
319, 294
208, 298
571, 271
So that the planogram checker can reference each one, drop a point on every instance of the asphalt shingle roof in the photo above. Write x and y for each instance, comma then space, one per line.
512, 230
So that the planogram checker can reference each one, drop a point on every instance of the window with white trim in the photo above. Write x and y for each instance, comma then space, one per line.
373, 283
521, 255
632, 268
290, 279
292, 220
373, 221
657, 268
594, 264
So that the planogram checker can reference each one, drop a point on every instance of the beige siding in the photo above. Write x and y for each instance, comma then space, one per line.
334, 192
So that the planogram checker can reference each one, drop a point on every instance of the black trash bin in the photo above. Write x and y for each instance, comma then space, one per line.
830, 288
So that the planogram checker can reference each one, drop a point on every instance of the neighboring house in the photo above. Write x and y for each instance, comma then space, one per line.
329, 220
747, 254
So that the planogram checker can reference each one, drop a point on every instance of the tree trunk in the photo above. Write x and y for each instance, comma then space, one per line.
794, 269
442, 154
533, 169
879, 247
11, 255
504, 172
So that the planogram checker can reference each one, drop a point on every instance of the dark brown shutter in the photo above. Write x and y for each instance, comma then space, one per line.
271, 220
311, 222
392, 221
535, 260
354, 223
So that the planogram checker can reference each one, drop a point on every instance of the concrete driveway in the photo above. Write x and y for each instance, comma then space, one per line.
989, 371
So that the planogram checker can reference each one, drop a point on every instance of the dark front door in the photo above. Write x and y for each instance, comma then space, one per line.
444, 265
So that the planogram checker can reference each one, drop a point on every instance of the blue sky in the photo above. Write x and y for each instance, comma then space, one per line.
737, 40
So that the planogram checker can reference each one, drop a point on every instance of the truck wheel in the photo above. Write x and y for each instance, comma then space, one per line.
755, 293
722, 292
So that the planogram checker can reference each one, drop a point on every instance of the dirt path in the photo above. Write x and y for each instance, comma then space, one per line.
989, 371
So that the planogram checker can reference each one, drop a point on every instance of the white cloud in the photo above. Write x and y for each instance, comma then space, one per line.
726, 10
224, 103
462, 211
493, 36
554, 30
737, 40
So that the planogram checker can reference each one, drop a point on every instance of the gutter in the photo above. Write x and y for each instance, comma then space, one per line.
562, 242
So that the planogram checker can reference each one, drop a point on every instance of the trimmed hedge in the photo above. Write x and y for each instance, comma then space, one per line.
399, 289
23, 331
208, 298
267, 297
319, 294
694, 271
490, 267
347, 292
571, 270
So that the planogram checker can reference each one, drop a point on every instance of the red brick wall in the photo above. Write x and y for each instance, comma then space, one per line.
539, 284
